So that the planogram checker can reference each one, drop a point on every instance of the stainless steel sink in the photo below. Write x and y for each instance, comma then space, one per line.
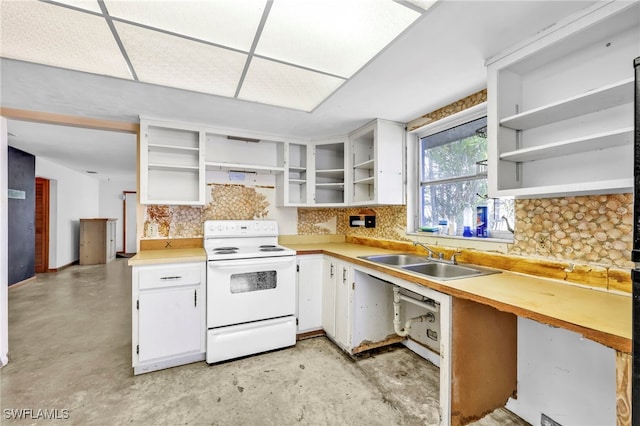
397, 259
447, 271
429, 267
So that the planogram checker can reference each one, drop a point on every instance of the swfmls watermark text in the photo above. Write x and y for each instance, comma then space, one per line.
36, 414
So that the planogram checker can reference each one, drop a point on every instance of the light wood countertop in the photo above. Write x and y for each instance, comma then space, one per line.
155, 257
598, 315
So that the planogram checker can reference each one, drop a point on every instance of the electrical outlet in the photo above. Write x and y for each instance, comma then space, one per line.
153, 230
548, 421
543, 242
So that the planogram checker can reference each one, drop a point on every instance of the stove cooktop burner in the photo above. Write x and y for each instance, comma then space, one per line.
225, 248
270, 248
225, 251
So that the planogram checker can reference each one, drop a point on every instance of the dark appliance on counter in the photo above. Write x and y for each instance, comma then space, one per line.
635, 256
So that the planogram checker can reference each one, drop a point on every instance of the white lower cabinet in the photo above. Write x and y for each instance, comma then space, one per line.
337, 301
168, 317
309, 288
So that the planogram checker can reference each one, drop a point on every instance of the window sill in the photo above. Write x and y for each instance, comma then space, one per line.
461, 238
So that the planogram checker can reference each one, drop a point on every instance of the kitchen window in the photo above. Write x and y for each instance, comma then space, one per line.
452, 174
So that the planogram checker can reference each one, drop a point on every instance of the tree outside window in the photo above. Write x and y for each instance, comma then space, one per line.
453, 175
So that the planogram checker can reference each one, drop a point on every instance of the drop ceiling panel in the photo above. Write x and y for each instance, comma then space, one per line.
333, 36
172, 61
286, 86
39, 32
91, 5
230, 23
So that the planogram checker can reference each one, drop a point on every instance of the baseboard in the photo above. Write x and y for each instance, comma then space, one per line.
60, 268
310, 334
21, 283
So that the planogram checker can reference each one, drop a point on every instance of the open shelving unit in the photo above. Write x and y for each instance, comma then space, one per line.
329, 173
297, 176
376, 170
560, 110
172, 166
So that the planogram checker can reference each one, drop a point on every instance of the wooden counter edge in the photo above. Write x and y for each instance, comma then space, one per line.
159, 257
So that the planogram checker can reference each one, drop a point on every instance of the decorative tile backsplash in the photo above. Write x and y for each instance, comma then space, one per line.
227, 202
457, 106
391, 222
594, 229
589, 229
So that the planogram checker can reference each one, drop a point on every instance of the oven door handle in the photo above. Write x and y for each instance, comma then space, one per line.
251, 262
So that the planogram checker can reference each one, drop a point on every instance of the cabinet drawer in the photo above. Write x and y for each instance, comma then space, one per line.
169, 276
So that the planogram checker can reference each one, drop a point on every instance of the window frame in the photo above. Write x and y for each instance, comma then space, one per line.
413, 169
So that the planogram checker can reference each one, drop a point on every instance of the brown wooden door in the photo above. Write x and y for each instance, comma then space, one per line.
42, 225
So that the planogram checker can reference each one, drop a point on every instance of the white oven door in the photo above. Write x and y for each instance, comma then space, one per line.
244, 290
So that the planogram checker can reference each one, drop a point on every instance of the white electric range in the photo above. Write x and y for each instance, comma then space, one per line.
250, 289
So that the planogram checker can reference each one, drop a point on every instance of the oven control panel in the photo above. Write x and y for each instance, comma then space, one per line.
240, 228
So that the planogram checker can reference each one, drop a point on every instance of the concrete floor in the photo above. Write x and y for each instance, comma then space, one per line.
70, 349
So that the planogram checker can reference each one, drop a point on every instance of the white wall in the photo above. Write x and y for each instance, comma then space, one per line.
4, 249
565, 376
74, 195
111, 203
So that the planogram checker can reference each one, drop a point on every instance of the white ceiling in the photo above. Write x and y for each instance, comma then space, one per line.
438, 60
229, 48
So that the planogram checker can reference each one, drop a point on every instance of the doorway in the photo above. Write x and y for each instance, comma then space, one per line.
42, 225
129, 227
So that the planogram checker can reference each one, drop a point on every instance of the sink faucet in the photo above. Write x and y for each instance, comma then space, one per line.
428, 249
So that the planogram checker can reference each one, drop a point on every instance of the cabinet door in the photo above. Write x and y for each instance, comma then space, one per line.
169, 323
329, 274
342, 305
309, 293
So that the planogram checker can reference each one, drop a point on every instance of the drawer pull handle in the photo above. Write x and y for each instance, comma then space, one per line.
177, 277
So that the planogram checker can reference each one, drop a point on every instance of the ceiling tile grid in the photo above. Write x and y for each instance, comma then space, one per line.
230, 23
166, 60
39, 32
290, 87
304, 50
333, 36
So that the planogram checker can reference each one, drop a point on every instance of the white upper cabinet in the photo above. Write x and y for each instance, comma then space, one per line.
296, 183
329, 172
171, 163
376, 167
560, 110
364, 168
243, 152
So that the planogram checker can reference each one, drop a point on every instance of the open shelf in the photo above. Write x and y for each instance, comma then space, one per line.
581, 188
571, 146
297, 169
331, 173
172, 149
367, 181
297, 181
338, 186
172, 167
609, 96
368, 165
214, 165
